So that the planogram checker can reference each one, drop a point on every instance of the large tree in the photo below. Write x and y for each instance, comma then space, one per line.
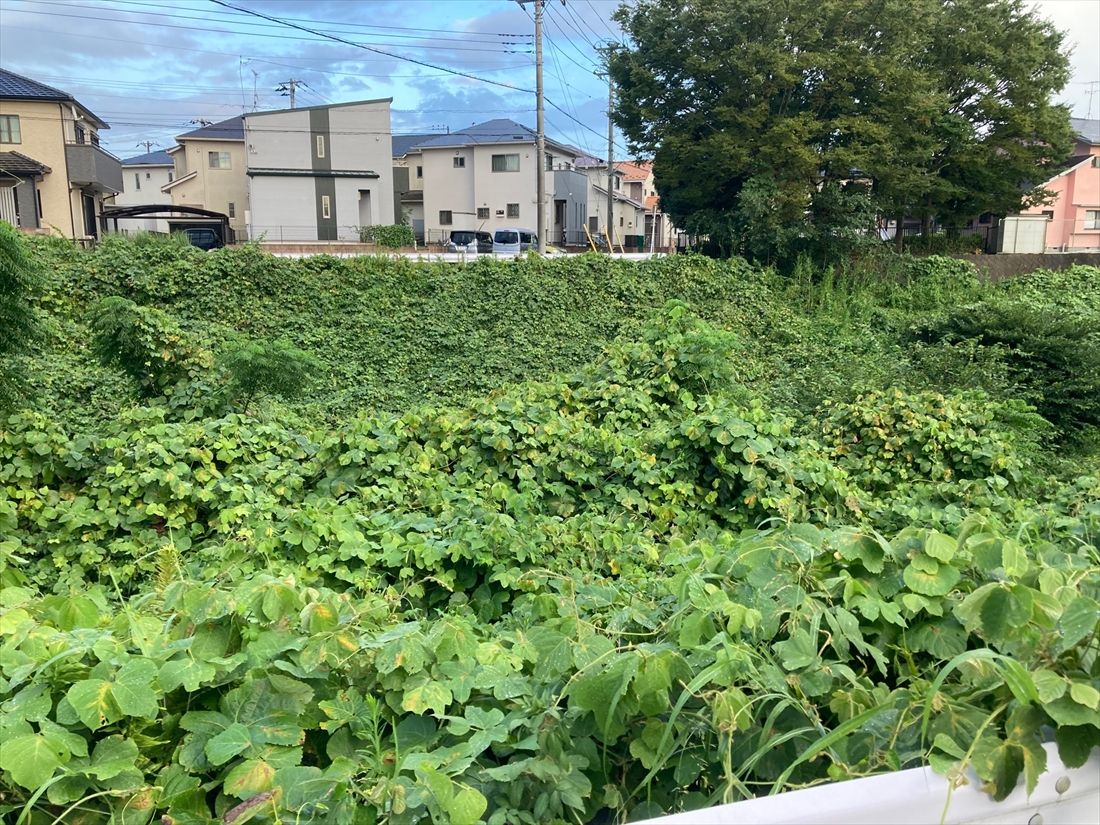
775, 122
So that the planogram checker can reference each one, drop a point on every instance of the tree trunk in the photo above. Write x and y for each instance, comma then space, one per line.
898, 231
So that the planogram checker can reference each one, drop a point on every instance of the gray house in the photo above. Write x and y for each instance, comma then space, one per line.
320, 172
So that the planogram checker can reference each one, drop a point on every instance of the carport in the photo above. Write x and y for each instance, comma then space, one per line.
185, 217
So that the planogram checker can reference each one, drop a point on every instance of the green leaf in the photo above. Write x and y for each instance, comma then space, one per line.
224, 746
938, 582
1014, 558
1084, 694
31, 759
939, 546
428, 695
1049, 684
133, 691
1065, 711
600, 691
1075, 743
1079, 620
248, 778
999, 763
94, 703
188, 672
797, 652
111, 757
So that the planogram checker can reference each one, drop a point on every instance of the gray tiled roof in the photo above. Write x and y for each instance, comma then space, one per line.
16, 163
18, 87
1086, 129
403, 143
158, 158
231, 129
501, 130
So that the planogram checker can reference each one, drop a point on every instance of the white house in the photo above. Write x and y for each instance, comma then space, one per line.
629, 218
484, 177
319, 172
142, 179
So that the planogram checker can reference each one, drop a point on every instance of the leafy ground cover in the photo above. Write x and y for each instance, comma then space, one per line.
639, 556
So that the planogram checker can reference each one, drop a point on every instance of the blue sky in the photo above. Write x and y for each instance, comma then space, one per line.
151, 68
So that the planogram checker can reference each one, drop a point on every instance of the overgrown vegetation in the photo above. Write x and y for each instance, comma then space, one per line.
392, 236
537, 541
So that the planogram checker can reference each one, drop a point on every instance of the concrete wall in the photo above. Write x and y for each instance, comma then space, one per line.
996, 267
213, 188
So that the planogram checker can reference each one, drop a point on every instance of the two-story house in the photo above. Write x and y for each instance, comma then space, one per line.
143, 179
1073, 218
484, 178
639, 185
408, 181
54, 175
628, 221
209, 171
319, 172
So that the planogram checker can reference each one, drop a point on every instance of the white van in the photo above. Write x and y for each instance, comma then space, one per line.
512, 241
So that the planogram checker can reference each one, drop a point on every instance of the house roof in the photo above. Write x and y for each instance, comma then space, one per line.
619, 196
16, 163
1086, 129
17, 87
403, 144
318, 106
635, 171
230, 129
158, 158
491, 132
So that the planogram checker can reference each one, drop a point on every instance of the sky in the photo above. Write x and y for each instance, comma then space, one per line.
154, 69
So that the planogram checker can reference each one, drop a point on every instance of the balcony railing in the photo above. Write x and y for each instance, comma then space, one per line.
93, 167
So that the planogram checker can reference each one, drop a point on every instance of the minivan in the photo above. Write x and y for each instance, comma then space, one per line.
203, 238
462, 238
512, 241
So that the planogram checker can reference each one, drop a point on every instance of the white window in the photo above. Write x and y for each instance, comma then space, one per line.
148, 175
483, 213
1092, 219
505, 163
549, 162
444, 217
460, 163
513, 210
420, 171
326, 207
9, 129
232, 209
219, 160
137, 181
320, 146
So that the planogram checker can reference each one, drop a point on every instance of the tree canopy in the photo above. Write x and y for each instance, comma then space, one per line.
775, 123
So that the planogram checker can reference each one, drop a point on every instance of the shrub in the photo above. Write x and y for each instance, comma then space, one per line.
887, 439
1053, 358
266, 367
145, 343
391, 237
19, 325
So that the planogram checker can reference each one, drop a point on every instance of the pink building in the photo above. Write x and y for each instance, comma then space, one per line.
1073, 220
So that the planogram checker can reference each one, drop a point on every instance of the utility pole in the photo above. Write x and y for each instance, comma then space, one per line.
148, 144
610, 164
540, 129
287, 87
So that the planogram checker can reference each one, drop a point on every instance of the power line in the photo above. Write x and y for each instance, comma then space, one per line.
606, 25
574, 47
365, 47
243, 33
254, 58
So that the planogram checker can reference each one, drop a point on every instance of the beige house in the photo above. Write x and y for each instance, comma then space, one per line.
484, 178
638, 184
629, 219
210, 171
54, 176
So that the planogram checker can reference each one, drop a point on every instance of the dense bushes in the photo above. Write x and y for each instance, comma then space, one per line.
391, 237
20, 325
745, 546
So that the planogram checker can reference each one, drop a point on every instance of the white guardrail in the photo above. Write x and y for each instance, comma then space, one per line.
1064, 796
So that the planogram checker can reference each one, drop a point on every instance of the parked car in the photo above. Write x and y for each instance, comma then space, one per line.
509, 241
462, 238
203, 238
